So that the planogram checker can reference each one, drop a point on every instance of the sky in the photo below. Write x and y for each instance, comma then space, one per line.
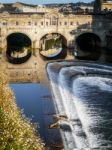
43, 1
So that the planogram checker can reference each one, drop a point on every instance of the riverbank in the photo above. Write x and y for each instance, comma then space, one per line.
16, 132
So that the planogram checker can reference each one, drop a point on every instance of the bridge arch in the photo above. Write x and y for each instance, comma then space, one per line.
19, 47
88, 45
22, 31
53, 45
11, 31
63, 34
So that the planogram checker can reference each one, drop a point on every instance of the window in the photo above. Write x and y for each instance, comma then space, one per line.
4, 23
46, 23
77, 23
60, 23
29, 23
65, 23
17, 23
42, 23
54, 21
71, 23
35, 23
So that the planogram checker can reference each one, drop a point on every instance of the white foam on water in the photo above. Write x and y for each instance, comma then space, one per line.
84, 112
71, 99
69, 106
102, 83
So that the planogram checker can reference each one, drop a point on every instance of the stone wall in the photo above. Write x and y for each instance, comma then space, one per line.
35, 26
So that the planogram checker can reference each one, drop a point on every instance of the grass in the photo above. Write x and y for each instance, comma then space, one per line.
16, 132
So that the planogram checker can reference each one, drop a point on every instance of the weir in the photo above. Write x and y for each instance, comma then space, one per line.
82, 92
78, 114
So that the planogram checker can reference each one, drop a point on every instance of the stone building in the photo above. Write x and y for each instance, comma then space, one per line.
102, 5
107, 6
23, 8
37, 25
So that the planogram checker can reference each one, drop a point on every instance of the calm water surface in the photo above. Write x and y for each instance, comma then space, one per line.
29, 98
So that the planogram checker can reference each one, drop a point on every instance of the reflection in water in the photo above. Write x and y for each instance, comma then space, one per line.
52, 45
93, 100
29, 97
51, 52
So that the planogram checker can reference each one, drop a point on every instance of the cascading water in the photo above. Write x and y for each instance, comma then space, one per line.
83, 92
93, 101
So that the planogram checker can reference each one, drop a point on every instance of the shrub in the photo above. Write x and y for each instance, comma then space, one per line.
16, 132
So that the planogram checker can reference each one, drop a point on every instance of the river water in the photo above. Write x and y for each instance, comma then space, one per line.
83, 91
30, 98
93, 101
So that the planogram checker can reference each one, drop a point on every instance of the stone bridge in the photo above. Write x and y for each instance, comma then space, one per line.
37, 25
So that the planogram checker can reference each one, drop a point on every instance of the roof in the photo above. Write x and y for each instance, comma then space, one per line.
8, 8
15, 7
24, 4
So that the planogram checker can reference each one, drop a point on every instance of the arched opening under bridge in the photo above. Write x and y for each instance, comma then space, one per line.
53, 46
88, 46
19, 48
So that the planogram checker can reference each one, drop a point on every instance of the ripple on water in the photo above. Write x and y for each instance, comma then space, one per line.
93, 101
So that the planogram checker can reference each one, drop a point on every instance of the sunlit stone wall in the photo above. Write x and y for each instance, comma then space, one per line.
107, 6
37, 25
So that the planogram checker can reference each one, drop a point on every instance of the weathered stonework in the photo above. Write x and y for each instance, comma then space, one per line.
106, 6
37, 25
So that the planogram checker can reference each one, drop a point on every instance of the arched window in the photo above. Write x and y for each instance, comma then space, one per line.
71, 23
29, 23
54, 20
42, 23
4, 23
35, 23
77, 23
17, 23
65, 23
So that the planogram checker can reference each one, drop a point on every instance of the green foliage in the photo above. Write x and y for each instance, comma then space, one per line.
16, 132
49, 44
52, 43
